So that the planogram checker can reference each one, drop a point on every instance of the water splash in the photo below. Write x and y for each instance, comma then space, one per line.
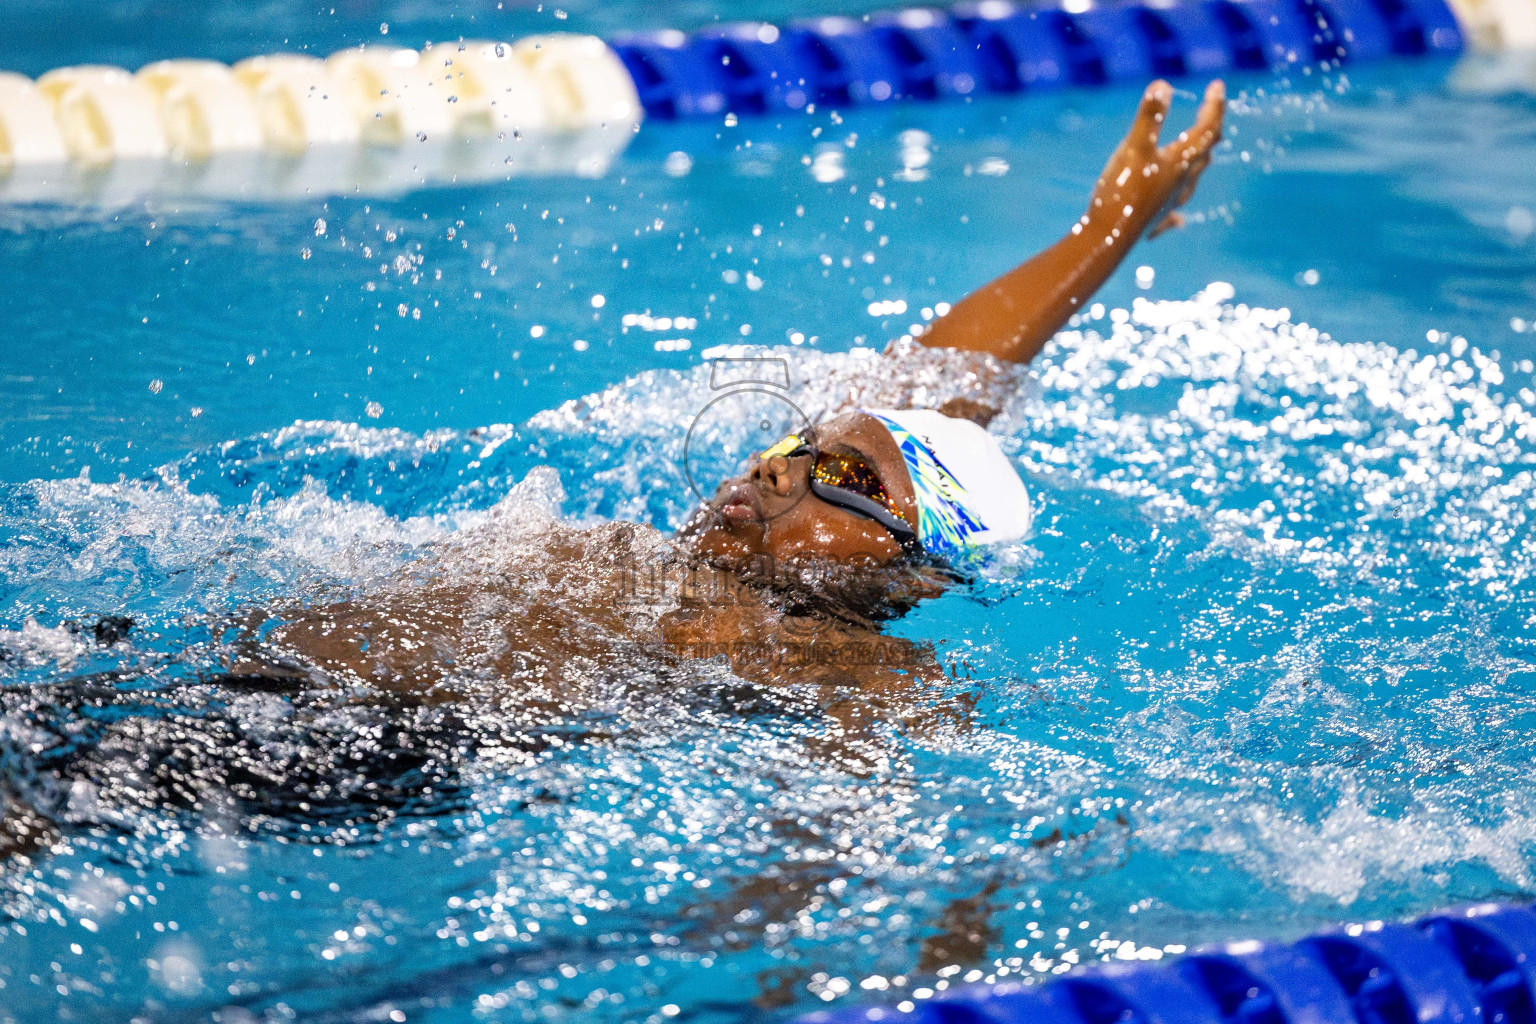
1266, 649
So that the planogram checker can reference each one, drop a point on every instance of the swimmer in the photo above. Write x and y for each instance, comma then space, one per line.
531, 622
795, 501
848, 523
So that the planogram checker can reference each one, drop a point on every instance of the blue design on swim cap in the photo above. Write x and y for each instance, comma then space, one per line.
945, 522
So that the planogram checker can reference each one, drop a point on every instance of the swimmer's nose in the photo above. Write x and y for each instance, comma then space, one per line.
774, 474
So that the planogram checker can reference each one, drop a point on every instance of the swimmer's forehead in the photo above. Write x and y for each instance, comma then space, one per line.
857, 431
850, 433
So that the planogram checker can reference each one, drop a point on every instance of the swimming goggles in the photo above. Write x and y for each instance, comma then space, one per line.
845, 480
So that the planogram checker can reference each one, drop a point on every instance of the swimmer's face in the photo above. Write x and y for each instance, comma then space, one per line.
769, 509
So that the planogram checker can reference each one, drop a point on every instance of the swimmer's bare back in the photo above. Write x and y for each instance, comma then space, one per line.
543, 621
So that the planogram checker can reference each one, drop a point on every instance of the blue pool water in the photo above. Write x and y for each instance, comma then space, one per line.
1265, 664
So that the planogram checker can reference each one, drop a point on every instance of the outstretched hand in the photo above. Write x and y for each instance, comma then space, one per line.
1140, 191
1144, 183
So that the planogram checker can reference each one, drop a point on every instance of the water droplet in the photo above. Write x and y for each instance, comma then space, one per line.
1520, 223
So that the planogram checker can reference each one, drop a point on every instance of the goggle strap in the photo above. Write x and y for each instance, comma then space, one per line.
898, 527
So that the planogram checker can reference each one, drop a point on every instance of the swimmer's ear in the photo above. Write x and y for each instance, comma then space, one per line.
916, 579
929, 581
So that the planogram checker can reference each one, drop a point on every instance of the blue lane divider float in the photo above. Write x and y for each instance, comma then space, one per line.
1476, 965
996, 46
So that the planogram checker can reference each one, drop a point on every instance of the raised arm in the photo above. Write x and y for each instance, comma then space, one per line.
1140, 191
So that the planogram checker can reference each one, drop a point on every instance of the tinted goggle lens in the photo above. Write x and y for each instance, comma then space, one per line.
846, 480
853, 474
835, 469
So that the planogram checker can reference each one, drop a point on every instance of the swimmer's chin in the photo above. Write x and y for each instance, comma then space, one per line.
712, 535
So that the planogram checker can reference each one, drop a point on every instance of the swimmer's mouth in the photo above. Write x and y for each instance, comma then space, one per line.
740, 504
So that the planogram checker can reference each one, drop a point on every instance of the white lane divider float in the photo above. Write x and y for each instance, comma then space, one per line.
104, 114
1503, 36
372, 119
1497, 24
202, 107
297, 104
29, 132
582, 81
495, 91
394, 92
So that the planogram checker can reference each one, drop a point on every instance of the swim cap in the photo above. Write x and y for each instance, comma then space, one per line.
968, 493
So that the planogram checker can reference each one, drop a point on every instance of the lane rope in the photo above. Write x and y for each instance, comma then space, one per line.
1464, 966
378, 98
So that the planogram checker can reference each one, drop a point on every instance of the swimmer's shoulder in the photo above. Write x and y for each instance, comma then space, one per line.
910, 376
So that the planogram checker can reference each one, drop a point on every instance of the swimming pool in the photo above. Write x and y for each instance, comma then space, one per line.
1264, 665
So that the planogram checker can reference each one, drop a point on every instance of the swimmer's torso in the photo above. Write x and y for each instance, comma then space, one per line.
556, 622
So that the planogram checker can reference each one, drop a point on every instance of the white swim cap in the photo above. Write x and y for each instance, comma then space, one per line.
968, 493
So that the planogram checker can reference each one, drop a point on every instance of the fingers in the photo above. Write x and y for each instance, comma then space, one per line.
1206, 131
1212, 109
1152, 112
1191, 152
1168, 223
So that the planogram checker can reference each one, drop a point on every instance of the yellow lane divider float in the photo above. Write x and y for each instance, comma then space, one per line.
373, 119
